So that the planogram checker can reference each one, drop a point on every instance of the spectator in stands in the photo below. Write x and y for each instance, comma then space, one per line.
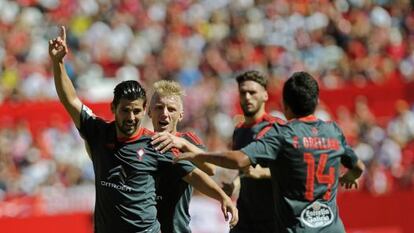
401, 127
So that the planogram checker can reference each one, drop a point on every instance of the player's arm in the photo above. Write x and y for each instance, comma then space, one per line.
257, 172
208, 168
231, 188
226, 159
349, 179
64, 87
164, 141
202, 182
355, 167
264, 149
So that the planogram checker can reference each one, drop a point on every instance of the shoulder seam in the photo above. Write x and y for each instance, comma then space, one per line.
273, 119
264, 131
194, 138
147, 132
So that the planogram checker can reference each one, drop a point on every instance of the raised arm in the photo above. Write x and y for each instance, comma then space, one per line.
164, 141
64, 87
202, 182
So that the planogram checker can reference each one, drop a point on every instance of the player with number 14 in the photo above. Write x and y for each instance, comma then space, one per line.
304, 156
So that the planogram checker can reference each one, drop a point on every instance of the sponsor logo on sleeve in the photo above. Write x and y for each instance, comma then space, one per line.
317, 215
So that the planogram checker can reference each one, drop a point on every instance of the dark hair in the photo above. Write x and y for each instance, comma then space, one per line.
130, 90
252, 75
300, 93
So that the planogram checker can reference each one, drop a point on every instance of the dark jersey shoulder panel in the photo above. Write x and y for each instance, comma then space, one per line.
174, 195
304, 157
245, 133
125, 174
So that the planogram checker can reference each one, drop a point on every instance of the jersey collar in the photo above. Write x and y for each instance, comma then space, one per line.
309, 118
258, 120
137, 135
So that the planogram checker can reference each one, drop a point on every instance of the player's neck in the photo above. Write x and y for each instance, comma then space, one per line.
289, 114
252, 119
122, 137
173, 131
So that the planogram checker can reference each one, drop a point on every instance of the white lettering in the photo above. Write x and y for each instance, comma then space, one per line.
317, 215
116, 186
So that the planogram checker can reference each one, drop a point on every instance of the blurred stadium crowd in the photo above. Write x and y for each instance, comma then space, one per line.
203, 44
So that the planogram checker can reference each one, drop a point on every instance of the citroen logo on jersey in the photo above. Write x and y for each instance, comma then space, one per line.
117, 174
116, 179
140, 153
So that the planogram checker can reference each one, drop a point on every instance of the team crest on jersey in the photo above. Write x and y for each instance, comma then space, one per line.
140, 153
317, 215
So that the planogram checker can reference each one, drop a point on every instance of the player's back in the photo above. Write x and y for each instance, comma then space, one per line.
306, 175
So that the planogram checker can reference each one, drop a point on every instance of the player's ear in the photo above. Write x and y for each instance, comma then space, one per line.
266, 96
181, 109
181, 116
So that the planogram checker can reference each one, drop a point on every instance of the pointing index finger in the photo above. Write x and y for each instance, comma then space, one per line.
63, 33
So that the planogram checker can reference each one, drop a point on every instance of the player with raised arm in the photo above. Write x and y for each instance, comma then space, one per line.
125, 163
304, 156
255, 213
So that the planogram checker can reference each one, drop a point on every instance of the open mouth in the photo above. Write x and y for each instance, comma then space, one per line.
163, 123
130, 125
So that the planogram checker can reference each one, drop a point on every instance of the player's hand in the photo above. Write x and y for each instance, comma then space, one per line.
164, 141
227, 207
348, 180
257, 172
57, 46
251, 172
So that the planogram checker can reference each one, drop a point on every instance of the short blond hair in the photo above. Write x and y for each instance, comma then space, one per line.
168, 88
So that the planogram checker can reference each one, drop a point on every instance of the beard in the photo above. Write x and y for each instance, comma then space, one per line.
127, 130
249, 112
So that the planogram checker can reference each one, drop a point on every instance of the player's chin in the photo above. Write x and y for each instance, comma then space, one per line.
129, 131
250, 112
